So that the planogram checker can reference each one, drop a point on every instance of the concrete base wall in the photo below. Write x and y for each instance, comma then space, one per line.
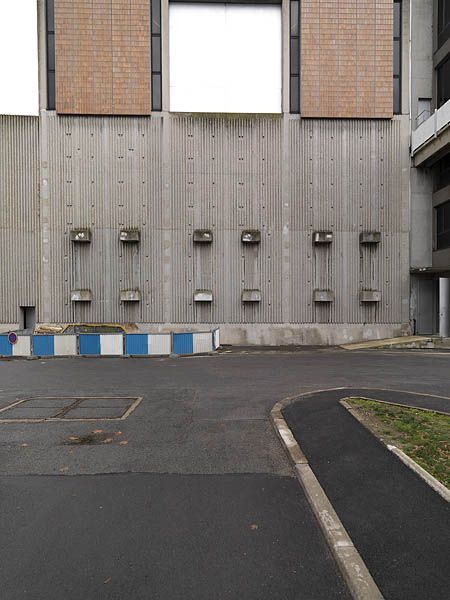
7, 327
289, 335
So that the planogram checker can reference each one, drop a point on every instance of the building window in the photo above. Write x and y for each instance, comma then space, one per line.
443, 22
225, 58
156, 55
19, 80
442, 173
294, 58
443, 226
443, 83
51, 93
397, 56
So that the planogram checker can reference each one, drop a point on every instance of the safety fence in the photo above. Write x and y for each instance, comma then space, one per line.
108, 344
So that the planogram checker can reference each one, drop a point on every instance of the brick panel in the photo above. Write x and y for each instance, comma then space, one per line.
103, 57
347, 58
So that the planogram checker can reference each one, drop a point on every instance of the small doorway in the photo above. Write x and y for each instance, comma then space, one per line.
27, 317
427, 299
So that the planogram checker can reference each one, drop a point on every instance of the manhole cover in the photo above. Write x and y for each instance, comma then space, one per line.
48, 408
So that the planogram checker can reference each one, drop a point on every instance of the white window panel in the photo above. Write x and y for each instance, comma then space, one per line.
19, 58
225, 58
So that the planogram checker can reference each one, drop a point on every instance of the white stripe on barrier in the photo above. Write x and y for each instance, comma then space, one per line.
159, 344
23, 346
111, 345
65, 345
216, 339
202, 343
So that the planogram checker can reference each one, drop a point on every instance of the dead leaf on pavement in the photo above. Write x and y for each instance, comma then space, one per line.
123, 443
253, 526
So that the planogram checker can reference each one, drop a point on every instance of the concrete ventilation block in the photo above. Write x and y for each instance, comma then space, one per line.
130, 236
251, 296
323, 296
370, 296
80, 235
203, 296
81, 295
322, 237
251, 236
130, 296
203, 236
369, 237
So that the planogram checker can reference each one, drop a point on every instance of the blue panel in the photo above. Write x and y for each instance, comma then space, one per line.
183, 343
43, 345
136, 343
90, 344
5, 346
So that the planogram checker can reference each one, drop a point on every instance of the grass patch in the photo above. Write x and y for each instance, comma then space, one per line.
423, 435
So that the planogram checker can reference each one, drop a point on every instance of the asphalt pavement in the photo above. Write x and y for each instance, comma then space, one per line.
398, 523
186, 483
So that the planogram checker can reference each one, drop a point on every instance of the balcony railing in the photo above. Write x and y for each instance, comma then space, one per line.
431, 128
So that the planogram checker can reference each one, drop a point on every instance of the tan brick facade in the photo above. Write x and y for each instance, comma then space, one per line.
347, 58
103, 57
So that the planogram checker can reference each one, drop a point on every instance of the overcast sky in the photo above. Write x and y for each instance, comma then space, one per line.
18, 58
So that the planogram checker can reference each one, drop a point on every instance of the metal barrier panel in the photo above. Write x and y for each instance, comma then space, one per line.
65, 345
5, 346
23, 346
216, 339
159, 344
111, 345
136, 344
89, 344
202, 343
43, 345
182, 343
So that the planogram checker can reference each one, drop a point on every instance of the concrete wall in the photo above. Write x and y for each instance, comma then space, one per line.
171, 174
19, 225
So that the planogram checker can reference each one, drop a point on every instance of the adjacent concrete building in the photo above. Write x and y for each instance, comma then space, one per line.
246, 165
430, 172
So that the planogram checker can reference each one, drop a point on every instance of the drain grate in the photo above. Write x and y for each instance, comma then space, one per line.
47, 408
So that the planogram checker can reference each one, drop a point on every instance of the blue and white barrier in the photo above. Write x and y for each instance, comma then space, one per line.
148, 344
22, 347
55, 345
108, 344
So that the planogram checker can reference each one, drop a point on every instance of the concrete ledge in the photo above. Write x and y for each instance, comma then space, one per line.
356, 575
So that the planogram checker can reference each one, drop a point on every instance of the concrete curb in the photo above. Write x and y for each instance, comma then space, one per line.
407, 460
354, 571
432, 410
432, 481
